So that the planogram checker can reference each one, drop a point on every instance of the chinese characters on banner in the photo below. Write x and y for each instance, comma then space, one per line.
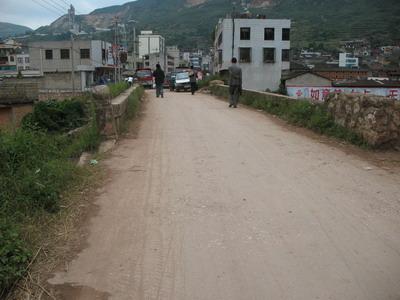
320, 93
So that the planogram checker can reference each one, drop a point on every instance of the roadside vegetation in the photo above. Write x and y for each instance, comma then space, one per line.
302, 113
134, 102
118, 88
38, 174
37, 165
206, 81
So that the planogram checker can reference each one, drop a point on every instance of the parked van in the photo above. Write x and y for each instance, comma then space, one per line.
145, 77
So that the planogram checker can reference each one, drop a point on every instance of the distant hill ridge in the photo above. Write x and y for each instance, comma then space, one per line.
190, 23
9, 29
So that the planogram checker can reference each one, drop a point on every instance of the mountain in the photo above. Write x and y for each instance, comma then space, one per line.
190, 23
8, 29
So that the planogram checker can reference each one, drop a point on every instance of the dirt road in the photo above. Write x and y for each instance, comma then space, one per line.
212, 203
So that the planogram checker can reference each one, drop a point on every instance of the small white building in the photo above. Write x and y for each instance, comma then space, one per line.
261, 46
150, 46
347, 60
23, 62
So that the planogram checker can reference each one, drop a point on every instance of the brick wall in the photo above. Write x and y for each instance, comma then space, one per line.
11, 116
5, 117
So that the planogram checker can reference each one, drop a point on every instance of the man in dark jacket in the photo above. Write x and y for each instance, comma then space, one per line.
193, 81
235, 83
159, 77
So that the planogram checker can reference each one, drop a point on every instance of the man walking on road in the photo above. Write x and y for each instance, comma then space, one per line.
159, 76
235, 83
192, 77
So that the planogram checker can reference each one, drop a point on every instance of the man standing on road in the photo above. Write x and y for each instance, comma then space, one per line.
159, 77
235, 83
192, 77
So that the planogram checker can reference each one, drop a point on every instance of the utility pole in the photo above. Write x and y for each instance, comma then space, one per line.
133, 22
71, 19
233, 30
115, 49
72, 65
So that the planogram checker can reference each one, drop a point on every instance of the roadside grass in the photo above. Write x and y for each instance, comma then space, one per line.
206, 81
117, 88
40, 184
302, 113
37, 165
134, 102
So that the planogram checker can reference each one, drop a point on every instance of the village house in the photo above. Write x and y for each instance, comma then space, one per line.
89, 61
314, 86
261, 45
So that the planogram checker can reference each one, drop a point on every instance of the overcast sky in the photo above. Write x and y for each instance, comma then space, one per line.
30, 13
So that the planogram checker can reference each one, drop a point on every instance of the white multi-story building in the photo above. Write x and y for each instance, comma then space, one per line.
347, 60
261, 46
152, 45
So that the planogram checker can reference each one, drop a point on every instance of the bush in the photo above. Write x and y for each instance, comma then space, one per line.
134, 101
56, 116
118, 88
14, 255
206, 81
35, 168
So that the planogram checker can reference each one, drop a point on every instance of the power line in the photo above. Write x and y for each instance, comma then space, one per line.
54, 6
46, 7
61, 6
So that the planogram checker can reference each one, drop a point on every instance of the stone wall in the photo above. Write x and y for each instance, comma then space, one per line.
375, 118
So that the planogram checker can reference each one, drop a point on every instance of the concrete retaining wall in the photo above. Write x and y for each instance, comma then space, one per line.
116, 112
248, 96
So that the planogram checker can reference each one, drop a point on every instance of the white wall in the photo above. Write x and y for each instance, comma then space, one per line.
156, 43
320, 93
257, 75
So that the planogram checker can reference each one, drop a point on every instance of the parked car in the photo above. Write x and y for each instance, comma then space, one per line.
145, 77
182, 81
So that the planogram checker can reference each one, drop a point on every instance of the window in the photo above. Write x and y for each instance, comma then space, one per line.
244, 55
20, 60
286, 34
285, 55
85, 53
269, 55
64, 53
12, 59
220, 39
27, 60
220, 57
245, 33
269, 34
103, 54
49, 54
